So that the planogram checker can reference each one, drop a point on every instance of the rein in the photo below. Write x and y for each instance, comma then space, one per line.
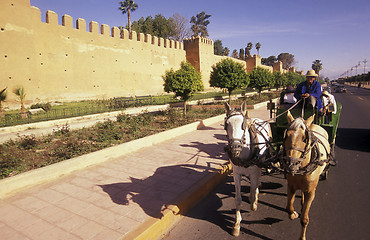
295, 104
237, 145
293, 165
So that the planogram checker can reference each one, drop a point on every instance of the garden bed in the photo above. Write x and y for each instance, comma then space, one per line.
29, 152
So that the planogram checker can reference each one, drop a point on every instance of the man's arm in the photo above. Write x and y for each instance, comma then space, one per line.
298, 92
316, 91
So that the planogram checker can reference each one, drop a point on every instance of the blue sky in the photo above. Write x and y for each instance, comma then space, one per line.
337, 32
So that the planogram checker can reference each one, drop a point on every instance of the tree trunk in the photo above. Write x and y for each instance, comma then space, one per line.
184, 108
1, 110
129, 23
23, 112
229, 98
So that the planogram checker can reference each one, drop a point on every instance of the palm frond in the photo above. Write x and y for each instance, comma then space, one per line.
3, 95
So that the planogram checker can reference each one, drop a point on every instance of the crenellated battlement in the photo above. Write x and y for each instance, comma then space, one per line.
198, 39
103, 29
60, 62
77, 60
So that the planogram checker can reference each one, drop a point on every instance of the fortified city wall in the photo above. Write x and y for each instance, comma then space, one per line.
61, 63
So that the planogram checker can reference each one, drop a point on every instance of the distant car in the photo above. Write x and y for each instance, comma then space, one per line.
340, 90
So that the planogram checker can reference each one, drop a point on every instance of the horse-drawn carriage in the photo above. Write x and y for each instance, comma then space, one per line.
327, 120
300, 143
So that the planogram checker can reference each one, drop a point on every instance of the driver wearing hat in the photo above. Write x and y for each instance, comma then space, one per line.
310, 90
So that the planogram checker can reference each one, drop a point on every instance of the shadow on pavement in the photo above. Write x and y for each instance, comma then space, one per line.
158, 191
212, 209
353, 139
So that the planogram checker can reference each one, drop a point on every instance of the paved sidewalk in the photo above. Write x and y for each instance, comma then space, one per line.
122, 197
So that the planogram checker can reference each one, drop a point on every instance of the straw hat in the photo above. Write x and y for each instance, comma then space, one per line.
325, 93
311, 73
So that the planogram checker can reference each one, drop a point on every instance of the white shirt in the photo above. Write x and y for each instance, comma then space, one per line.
289, 98
331, 99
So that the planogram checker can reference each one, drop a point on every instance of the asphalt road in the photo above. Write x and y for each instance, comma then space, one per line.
341, 207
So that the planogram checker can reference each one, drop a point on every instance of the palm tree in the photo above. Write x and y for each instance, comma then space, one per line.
128, 6
22, 95
317, 66
226, 51
249, 48
2, 99
258, 46
234, 54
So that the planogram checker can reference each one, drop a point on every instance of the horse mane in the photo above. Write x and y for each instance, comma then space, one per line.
234, 111
297, 123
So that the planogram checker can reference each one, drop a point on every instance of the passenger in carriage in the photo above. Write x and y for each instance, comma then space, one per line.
287, 96
310, 90
329, 106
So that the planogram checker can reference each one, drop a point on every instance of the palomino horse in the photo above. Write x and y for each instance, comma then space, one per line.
306, 152
247, 149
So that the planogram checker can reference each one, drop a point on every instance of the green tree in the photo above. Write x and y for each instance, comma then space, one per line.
22, 95
218, 48
258, 46
128, 6
293, 78
162, 26
200, 23
230, 75
248, 49
241, 54
183, 82
279, 79
260, 78
235, 53
226, 51
287, 59
143, 25
317, 66
2, 99
269, 61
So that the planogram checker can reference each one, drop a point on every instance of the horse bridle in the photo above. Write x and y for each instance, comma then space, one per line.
236, 145
293, 165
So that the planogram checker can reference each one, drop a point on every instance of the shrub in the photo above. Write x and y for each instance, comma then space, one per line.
45, 106
183, 82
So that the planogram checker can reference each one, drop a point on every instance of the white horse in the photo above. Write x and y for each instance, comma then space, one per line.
247, 149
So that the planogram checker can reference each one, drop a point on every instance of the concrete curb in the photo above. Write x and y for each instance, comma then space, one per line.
154, 227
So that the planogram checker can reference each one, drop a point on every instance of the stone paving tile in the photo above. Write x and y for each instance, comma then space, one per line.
73, 205
30, 204
9, 233
72, 223
56, 234
52, 214
91, 230
49, 195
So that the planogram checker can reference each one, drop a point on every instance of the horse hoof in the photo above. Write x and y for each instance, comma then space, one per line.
236, 232
294, 215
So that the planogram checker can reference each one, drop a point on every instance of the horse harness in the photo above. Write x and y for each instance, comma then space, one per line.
293, 165
237, 145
